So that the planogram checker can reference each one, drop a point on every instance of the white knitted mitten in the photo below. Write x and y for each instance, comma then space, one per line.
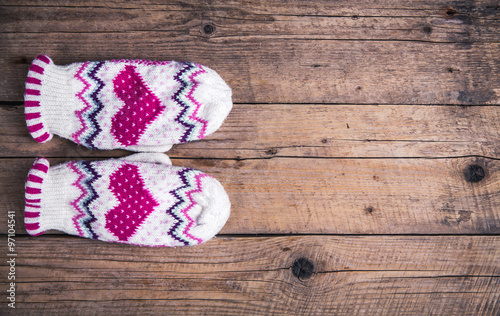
137, 105
140, 199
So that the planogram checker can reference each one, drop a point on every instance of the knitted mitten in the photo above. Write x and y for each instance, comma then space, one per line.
140, 199
137, 105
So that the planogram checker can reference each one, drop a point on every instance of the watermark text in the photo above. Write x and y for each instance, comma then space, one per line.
11, 255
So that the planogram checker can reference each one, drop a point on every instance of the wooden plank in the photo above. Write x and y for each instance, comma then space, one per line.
307, 130
262, 68
333, 196
433, 25
348, 8
378, 275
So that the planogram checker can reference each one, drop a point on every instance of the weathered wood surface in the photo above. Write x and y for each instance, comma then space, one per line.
307, 130
334, 196
289, 71
445, 52
354, 125
396, 275
434, 23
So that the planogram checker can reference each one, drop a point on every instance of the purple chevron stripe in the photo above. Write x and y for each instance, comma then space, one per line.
93, 195
98, 103
179, 201
79, 113
176, 97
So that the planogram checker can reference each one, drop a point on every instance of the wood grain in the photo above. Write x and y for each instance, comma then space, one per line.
333, 196
277, 56
378, 275
307, 130
377, 8
349, 147
430, 25
288, 71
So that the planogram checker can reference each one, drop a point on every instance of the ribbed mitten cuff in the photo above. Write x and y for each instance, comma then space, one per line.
47, 97
45, 199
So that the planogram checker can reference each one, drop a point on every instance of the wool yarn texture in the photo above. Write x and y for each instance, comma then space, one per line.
139, 105
140, 199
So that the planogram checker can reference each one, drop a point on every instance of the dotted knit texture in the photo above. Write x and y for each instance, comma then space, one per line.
131, 104
130, 200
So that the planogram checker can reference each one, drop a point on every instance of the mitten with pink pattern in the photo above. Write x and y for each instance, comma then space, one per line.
137, 105
140, 199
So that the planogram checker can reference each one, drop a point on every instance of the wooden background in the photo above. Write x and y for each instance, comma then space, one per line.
353, 158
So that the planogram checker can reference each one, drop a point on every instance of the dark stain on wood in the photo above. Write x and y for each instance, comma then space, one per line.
22, 61
456, 217
479, 96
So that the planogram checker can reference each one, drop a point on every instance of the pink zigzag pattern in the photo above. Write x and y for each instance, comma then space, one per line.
76, 202
198, 105
77, 134
193, 203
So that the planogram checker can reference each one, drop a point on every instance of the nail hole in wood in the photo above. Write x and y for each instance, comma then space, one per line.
302, 268
369, 210
208, 29
324, 140
474, 173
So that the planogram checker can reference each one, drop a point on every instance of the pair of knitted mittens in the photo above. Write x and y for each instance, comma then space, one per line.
136, 105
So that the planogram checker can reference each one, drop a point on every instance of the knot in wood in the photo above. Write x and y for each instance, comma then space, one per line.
369, 209
474, 173
272, 151
451, 12
208, 29
302, 268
